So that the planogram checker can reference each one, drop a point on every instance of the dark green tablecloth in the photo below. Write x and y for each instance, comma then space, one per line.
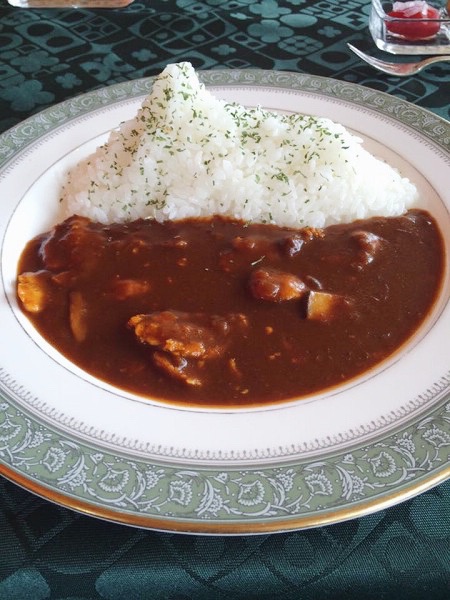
47, 551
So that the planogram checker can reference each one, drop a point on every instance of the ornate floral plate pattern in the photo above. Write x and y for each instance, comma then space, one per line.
272, 477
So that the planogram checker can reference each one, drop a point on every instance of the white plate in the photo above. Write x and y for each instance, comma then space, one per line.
370, 443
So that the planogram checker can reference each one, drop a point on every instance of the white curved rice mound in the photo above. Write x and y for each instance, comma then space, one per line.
189, 154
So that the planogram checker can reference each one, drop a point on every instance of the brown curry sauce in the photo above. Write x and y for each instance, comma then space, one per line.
218, 312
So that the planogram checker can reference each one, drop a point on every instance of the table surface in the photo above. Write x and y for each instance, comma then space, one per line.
47, 551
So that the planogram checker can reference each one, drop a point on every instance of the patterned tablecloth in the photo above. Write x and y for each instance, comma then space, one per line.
46, 551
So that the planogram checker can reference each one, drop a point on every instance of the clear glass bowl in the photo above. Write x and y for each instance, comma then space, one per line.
389, 42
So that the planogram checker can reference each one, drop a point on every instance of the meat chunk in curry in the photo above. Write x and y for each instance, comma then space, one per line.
184, 341
276, 286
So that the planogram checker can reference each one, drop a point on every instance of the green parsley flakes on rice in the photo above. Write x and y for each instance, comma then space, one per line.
189, 154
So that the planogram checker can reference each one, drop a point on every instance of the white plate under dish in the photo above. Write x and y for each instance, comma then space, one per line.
343, 453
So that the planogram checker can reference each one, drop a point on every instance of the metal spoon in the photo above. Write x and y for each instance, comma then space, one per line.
399, 69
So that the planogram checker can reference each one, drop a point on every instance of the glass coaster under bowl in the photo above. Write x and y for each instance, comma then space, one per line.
382, 27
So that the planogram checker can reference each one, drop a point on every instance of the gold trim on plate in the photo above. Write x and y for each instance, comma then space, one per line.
232, 528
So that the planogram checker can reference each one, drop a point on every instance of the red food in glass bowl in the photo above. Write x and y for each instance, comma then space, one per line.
413, 20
